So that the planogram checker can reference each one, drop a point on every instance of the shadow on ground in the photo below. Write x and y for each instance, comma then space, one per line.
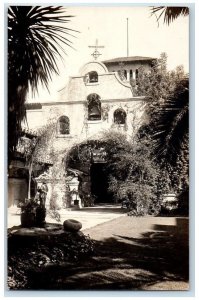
124, 263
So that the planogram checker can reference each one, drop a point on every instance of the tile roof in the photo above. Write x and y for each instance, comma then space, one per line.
33, 106
129, 59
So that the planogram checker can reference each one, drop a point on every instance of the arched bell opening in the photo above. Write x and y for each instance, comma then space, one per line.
94, 107
93, 76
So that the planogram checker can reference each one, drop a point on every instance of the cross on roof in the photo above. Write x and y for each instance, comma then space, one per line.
96, 53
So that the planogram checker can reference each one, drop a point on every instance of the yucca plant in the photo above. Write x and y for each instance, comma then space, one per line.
37, 37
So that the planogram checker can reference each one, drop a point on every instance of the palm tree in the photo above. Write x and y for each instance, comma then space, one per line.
170, 13
36, 36
172, 123
171, 133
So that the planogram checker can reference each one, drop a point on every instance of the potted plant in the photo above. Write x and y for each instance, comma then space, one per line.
28, 213
32, 213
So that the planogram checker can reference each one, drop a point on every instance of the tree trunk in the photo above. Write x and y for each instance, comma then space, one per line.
29, 180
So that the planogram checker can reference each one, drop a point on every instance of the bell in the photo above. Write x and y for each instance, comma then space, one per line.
94, 113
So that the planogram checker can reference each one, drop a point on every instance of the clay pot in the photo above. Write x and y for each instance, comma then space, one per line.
27, 219
72, 225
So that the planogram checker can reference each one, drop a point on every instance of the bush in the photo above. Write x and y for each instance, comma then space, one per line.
133, 174
28, 256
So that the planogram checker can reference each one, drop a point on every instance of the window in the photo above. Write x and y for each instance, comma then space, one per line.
131, 74
94, 107
63, 125
136, 74
119, 116
93, 76
125, 74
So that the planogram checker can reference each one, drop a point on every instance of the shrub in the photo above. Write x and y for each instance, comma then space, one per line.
29, 256
133, 175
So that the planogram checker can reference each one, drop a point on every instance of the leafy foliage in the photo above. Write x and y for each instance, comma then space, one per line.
35, 41
132, 172
38, 149
30, 256
168, 112
158, 84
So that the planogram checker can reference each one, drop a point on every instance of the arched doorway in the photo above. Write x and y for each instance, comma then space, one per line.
99, 183
88, 160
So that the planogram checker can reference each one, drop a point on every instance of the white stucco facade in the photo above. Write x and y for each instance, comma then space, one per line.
91, 103
73, 103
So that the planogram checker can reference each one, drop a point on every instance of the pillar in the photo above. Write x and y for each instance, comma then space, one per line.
128, 75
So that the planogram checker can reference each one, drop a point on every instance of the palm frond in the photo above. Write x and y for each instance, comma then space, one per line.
27, 24
170, 13
37, 37
172, 124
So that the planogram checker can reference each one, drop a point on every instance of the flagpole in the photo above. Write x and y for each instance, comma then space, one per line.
127, 37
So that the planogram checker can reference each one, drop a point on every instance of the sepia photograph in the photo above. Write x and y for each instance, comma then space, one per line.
98, 147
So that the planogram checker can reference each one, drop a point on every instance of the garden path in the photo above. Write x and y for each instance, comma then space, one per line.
131, 253
88, 216
139, 253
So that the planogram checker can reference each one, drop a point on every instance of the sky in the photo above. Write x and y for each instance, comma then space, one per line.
108, 24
